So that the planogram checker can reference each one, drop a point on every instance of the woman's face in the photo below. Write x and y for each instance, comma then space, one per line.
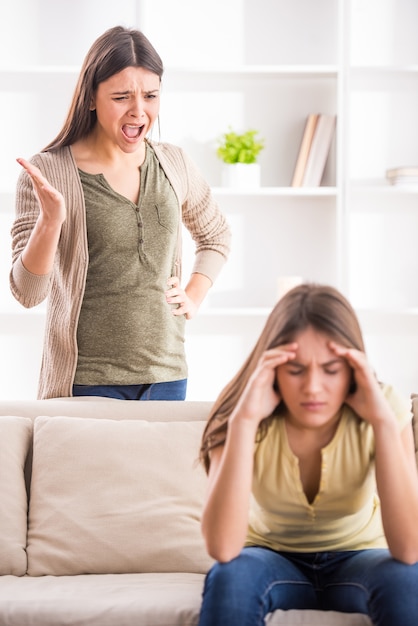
315, 384
127, 105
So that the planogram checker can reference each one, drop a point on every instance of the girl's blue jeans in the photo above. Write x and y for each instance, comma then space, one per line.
259, 581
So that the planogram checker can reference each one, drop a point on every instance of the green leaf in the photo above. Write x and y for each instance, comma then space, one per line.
239, 148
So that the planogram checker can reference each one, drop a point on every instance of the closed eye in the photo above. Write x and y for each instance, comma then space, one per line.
297, 370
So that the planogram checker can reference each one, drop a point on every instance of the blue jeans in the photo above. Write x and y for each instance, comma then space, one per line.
259, 581
174, 390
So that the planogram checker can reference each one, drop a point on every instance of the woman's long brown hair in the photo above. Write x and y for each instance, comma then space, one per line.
323, 308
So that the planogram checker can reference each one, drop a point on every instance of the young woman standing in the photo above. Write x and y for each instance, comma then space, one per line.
99, 214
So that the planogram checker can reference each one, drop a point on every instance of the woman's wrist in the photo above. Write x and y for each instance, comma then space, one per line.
239, 422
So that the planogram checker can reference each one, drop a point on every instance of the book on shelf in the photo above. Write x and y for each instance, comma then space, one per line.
305, 146
319, 151
407, 175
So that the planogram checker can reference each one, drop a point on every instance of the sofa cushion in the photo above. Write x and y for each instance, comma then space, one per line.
118, 496
15, 440
171, 599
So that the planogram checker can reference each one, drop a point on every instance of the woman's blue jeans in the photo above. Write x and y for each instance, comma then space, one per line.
259, 581
173, 390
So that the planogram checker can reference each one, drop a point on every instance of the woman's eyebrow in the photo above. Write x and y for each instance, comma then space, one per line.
332, 362
126, 92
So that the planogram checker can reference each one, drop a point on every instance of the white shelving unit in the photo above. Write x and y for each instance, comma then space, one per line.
381, 79
244, 64
271, 83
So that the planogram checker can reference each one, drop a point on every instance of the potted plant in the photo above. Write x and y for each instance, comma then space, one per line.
239, 153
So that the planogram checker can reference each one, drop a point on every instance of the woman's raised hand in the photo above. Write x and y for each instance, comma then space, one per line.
367, 399
51, 201
261, 396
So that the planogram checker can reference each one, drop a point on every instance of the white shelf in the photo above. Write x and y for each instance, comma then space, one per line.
252, 71
381, 186
394, 314
235, 312
389, 313
230, 192
305, 70
383, 70
389, 324
287, 192
39, 70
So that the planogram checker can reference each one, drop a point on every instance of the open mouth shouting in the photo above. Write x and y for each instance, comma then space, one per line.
132, 131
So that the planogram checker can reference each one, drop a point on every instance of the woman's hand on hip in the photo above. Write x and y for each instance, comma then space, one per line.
177, 295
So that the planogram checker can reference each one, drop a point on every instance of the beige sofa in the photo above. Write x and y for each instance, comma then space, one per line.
111, 534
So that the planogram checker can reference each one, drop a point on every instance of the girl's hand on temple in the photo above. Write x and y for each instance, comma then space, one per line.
261, 396
367, 399
51, 201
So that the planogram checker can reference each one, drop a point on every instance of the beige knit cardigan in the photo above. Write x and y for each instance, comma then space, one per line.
64, 286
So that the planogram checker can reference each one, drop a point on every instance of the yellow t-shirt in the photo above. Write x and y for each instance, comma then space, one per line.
345, 514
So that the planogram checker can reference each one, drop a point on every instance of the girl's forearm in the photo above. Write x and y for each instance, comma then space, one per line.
397, 484
225, 516
39, 253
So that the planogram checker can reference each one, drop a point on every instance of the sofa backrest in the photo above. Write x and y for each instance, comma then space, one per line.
114, 487
162, 411
106, 408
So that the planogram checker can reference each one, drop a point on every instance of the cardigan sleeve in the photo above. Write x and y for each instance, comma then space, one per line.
201, 214
206, 223
28, 289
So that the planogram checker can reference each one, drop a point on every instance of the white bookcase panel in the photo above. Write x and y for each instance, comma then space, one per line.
383, 32
381, 132
47, 32
383, 121
36, 102
274, 237
275, 105
383, 267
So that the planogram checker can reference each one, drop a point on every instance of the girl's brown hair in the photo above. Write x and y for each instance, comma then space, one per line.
323, 308
115, 50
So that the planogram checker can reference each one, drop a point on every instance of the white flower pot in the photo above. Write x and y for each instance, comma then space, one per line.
241, 175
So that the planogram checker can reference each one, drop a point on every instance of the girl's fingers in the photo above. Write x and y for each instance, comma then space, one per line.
279, 355
35, 173
357, 360
288, 348
352, 356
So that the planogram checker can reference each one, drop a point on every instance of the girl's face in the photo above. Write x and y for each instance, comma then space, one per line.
127, 105
315, 384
